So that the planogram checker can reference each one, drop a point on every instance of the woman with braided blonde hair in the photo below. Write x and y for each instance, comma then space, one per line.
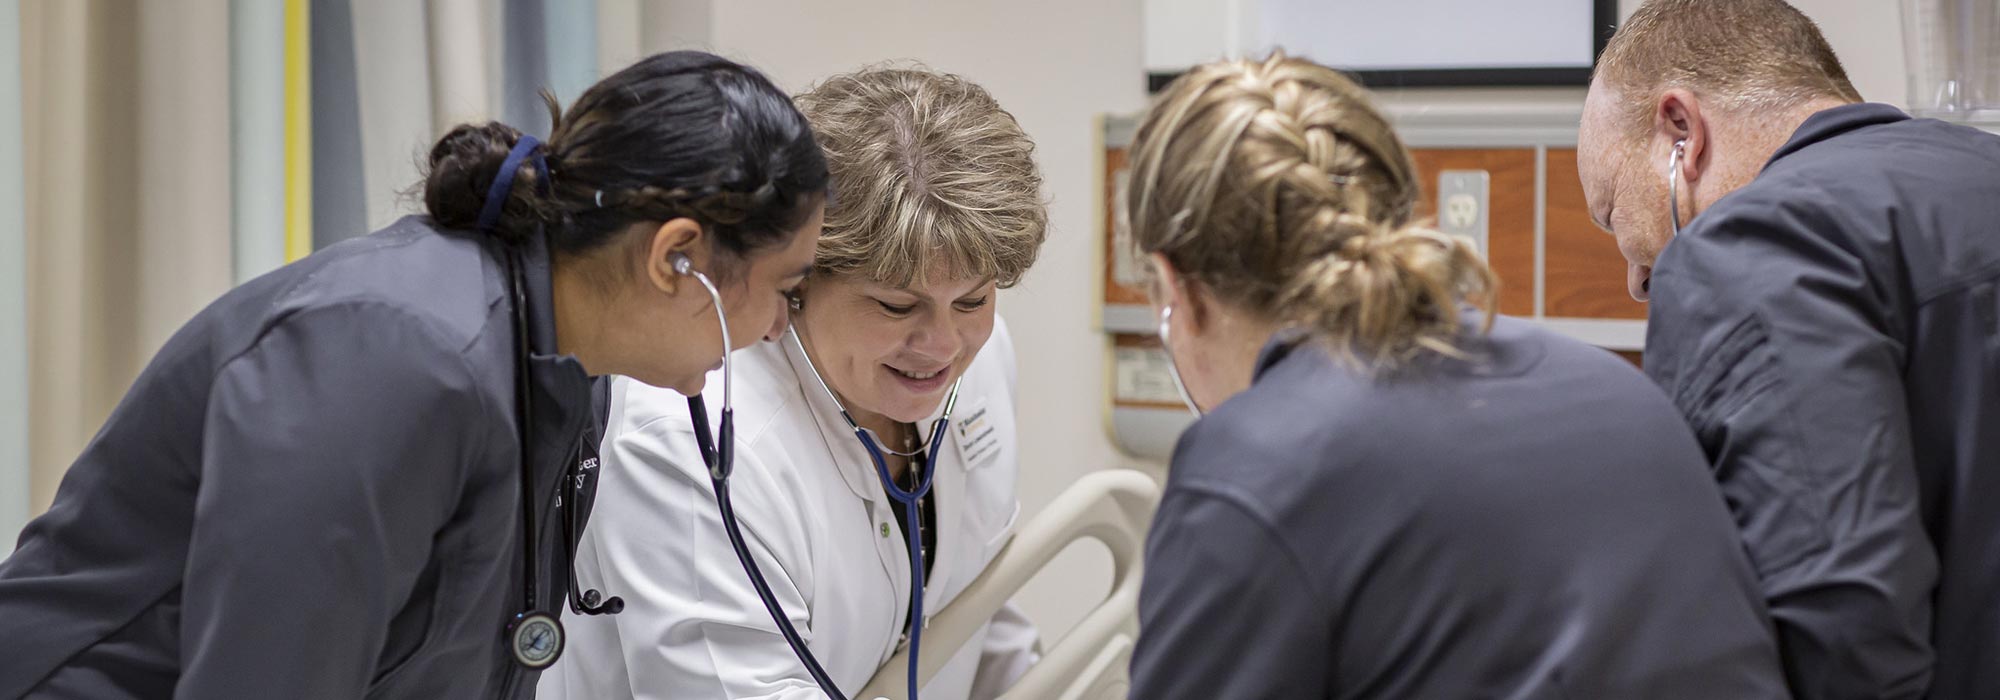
1392, 494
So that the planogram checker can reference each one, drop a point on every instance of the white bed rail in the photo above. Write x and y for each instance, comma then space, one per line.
1113, 506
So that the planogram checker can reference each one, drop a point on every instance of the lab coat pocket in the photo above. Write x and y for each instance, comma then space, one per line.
999, 537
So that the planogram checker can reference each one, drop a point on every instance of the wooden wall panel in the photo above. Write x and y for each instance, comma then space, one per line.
1586, 273
1510, 233
1115, 293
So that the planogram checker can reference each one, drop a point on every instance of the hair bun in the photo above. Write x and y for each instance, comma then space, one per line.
462, 167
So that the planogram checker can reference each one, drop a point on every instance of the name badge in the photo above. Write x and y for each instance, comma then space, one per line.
978, 437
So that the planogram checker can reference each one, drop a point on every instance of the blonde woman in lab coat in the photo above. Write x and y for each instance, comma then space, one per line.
937, 206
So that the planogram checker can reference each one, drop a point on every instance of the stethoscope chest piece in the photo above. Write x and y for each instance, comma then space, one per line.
535, 639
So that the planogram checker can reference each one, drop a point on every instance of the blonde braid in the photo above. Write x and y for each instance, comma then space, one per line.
1275, 184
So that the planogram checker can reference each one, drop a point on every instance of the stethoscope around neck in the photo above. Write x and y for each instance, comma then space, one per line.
534, 638
718, 453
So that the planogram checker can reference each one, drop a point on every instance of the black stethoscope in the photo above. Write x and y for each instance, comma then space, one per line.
719, 454
535, 638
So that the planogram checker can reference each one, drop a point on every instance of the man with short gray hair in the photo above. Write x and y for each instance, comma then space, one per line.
1825, 284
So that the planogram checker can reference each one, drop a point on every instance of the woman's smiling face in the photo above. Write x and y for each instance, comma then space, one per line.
894, 351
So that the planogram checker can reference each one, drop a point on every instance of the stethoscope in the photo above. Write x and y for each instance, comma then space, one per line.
535, 638
1173, 368
718, 453
1674, 186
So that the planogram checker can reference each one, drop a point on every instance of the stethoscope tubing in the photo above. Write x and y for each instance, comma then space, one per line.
709, 453
912, 500
716, 451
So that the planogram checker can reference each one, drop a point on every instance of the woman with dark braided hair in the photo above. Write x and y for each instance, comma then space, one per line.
361, 475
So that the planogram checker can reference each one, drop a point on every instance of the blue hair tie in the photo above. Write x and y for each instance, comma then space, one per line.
503, 182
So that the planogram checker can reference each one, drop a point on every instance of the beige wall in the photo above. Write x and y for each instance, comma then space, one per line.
1867, 34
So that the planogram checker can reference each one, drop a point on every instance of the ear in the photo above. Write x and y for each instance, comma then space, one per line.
675, 237
1170, 288
1678, 118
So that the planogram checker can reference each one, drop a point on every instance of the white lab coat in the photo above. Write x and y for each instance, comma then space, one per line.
814, 515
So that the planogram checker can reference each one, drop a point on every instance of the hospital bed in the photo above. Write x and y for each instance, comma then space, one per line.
1113, 507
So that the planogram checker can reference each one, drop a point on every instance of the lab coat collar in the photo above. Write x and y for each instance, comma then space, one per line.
857, 470
855, 466
949, 490
848, 455
1829, 123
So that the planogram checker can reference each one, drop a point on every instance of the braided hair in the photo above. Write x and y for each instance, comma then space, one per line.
679, 134
1277, 185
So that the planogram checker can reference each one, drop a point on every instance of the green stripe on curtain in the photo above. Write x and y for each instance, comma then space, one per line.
570, 30
340, 209
257, 136
15, 480
525, 70
548, 44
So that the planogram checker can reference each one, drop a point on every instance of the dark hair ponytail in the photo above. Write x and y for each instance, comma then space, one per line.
462, 167
679, 134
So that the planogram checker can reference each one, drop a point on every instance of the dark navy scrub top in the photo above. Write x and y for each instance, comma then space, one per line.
313, 491
1536, 522
1832, 332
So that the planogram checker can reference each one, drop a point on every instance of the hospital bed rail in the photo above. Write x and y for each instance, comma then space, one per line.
1113, 506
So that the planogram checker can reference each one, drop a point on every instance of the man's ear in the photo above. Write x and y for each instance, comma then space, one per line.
674, 238
1678, 118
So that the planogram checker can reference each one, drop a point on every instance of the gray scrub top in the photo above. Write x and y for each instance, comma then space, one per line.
313, 491
1533, 523
1832, 332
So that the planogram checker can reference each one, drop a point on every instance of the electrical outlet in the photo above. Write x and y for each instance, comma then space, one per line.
1462, 197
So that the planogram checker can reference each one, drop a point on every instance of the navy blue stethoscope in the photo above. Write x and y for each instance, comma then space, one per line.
718, 452
535, 638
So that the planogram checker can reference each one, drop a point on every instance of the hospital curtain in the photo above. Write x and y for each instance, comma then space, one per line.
125, 121
390, 76
16, 481
173, 149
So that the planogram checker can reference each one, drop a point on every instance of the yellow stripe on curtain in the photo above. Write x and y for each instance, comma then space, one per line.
298, 129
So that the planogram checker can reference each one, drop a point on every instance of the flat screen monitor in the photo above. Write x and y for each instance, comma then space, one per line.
1437, 43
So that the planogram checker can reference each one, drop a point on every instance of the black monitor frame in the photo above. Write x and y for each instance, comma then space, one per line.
1604, 17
